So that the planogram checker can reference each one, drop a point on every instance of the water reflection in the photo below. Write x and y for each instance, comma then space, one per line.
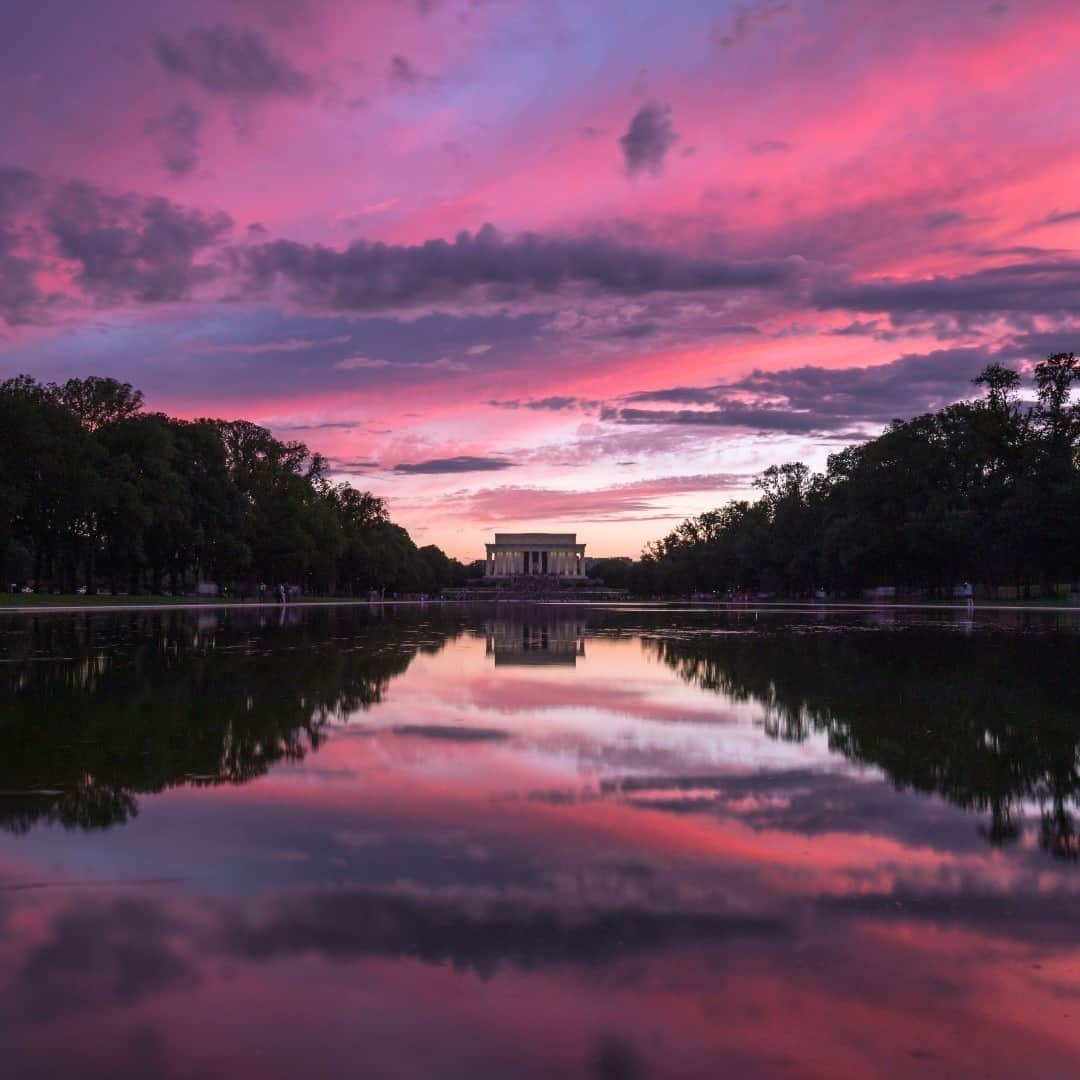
738, 844
536, 641
989, 722
101, 709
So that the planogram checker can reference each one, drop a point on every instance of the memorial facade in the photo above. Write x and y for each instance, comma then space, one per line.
552, 555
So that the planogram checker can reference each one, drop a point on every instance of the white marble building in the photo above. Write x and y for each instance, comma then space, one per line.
552, 555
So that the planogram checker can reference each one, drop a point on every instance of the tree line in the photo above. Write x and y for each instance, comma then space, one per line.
990, 721
182, 702
98, 493
984, 491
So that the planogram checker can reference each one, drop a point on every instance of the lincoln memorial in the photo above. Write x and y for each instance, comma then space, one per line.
553, 555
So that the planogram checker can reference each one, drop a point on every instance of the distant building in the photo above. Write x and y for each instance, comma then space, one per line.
553, 555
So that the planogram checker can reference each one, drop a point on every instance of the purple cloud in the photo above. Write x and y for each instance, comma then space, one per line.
367, 277
462, 464
648, 139
813, 398
129, 247
1046, 287
227, 61
177, 137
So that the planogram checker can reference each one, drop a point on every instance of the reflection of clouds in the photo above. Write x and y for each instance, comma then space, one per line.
804, 801
102, 953
481, 937
1027, 913
682, 988
610, 841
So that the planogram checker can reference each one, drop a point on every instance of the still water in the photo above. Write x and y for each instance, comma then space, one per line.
539, 842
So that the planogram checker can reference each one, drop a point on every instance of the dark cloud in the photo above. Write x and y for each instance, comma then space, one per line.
1044, 287
351, 465
690, 395
20, 296
748, 17
381, 276
127, 246
104, 954
18, 187
771, 146
857, 329
913, 383
941, 219
177, 137
817, 399
402, 71
326, 425
650, 136
480, 936
451, 733
736, 415
462, 464
554, 403
1059, 217
1022, 251
225, 60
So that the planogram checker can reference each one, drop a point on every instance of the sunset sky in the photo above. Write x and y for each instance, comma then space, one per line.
574, 265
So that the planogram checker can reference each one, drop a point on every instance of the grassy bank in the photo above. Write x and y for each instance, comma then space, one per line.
32, 601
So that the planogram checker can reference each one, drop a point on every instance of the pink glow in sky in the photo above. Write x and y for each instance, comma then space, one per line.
579, 265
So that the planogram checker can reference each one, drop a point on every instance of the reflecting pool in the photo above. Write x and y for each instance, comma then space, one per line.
539, 841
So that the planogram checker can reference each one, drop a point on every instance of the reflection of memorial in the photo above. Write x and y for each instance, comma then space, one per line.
556, 642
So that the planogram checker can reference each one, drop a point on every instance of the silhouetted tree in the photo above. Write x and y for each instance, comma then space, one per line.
989, 721
95, 491
986, 491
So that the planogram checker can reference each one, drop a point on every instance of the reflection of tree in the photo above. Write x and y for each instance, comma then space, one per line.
985, 720
101, 709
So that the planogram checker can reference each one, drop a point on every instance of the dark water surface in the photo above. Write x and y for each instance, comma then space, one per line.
539, 842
